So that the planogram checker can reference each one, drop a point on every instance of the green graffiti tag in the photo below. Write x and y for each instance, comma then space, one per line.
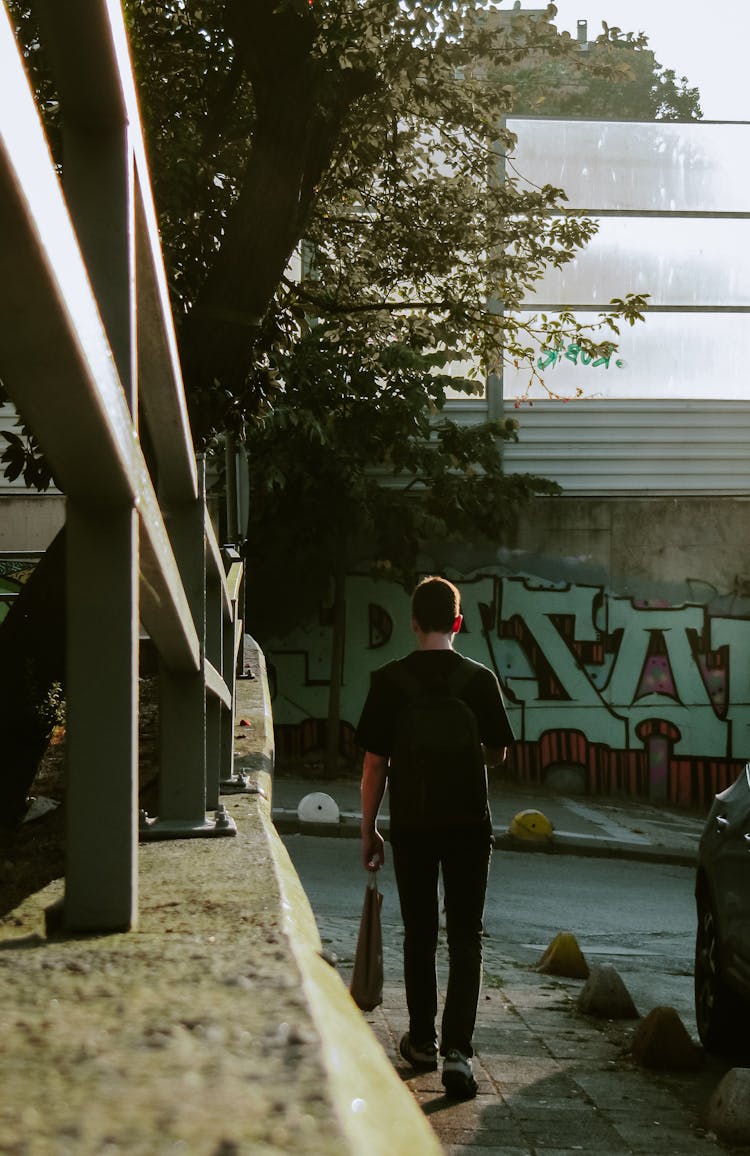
577, 354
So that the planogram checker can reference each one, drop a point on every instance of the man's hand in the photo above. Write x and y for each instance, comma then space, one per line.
373, 850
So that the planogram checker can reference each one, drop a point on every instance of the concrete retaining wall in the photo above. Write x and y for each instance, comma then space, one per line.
215, 1027
619, 628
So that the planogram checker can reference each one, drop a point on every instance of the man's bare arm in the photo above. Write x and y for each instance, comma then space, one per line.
374, 779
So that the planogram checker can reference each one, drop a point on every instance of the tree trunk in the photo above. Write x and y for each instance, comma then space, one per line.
32, 661
338, 645
299, 112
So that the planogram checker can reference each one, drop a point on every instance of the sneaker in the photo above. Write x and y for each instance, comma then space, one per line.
458, 1076
423, 1057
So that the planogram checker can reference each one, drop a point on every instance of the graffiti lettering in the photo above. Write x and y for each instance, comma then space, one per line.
549, 358
732, 636
536, 608
662, 693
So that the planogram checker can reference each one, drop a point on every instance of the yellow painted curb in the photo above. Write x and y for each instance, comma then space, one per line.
377, 1113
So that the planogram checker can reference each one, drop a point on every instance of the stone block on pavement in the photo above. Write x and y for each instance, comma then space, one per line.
606, 996
564, 957
662, 1041
729, 1108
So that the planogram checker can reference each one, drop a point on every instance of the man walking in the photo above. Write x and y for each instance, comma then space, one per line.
431, 722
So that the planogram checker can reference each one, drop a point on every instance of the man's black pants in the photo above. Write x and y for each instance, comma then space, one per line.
464, 858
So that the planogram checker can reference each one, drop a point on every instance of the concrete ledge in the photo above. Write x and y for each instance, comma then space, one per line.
376, 1111
213, 1027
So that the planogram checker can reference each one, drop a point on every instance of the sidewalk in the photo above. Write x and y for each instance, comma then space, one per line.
604, 826
214, 1027
552, 1081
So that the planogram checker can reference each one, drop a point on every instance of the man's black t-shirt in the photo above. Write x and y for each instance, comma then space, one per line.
377, 724
482, 693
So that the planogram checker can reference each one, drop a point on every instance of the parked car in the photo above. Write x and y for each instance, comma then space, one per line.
722, 945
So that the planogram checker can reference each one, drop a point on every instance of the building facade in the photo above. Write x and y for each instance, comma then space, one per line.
618, 617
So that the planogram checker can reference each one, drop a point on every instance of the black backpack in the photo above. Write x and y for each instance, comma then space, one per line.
437, 776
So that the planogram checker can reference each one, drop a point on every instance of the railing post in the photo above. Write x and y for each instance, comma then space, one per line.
182, 712
183, 747
228, 778
232, 781
214, 654
101, 887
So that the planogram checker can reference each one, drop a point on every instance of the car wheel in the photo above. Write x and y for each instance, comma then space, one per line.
720, 1013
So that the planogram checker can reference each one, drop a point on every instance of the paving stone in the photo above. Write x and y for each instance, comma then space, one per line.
509, 1045
551, 1082
604, 1084
534, 993
582, 1130
653, 1103
565, 1047
420, 1081
474, 1148
645, 1139
485, 1108
577, 1148
486, 1145
554, 1004
531, 1103
667, 1118
521, 1069
500, 1140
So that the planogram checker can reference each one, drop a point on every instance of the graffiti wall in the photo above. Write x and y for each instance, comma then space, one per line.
607, 693
14, 570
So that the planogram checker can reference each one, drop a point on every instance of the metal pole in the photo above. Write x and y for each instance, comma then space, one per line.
182, 696
101, 877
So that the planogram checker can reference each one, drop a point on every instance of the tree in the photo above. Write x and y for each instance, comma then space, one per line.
615, 77
355, 411
366, 127
411, 239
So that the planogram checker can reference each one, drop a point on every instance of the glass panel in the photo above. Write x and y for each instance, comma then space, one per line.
678, 260
670, 355
659, 167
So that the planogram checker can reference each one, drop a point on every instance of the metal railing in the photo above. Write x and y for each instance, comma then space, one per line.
87, 334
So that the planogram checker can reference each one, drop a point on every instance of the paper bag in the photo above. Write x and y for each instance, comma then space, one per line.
367, 977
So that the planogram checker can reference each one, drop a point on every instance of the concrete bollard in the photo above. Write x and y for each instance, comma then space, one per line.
662, 1041
606, 996
531, 827
318, 810
564, 957
729, 1107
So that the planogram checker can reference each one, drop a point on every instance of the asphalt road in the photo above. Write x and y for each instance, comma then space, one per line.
638, 917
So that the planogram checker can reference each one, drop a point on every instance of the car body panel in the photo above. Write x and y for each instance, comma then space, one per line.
724, 870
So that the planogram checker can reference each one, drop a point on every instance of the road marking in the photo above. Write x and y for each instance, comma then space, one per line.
613, 830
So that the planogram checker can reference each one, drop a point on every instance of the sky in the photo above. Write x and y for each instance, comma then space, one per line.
707, 43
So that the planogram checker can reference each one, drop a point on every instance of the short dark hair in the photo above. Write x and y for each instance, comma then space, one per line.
435, 605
